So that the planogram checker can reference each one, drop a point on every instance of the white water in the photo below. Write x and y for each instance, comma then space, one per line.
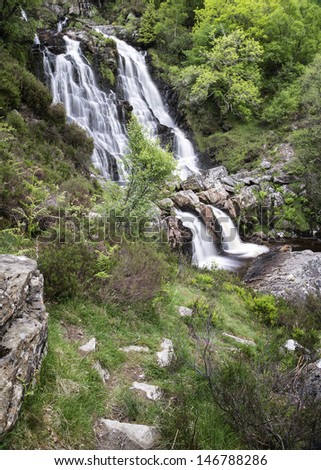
231, 241
140, 91
205, 252
62, 24
24, 15
36, 41
73, 83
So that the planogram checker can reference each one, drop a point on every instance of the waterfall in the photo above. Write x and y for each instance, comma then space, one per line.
230, 238
141, 92
24, 15
205, 252
73, 83
36, 40
62, 24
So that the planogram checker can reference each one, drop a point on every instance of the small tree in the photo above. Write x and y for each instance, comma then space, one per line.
150, 168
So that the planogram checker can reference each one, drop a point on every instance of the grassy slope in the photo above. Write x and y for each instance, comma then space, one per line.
69, 396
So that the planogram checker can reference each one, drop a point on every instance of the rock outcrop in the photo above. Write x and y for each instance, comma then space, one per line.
23, 333
291, 275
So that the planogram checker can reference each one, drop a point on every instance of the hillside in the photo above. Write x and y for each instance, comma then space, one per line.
99, 204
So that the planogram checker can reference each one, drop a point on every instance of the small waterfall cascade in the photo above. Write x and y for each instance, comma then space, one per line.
24, 15
62, 24
142, 94
36, 40
230, 238
73, 83
205, 252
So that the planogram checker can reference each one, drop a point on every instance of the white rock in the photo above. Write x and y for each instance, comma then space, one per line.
103, 373
318, 364
291, 345
152, 392
248, 342
166, 355
114, 435
185, 312
129, 349
89, 347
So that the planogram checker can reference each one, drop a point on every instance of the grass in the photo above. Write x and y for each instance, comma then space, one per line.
69, 396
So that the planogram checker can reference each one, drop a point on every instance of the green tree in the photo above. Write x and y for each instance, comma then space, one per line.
147, 33
150, 169
230, 74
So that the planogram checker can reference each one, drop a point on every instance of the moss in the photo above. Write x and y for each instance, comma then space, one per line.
107, 74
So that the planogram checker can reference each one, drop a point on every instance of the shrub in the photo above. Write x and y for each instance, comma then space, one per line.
137, 275
15, 120
57, 115
9, 93
34, 93
67, 269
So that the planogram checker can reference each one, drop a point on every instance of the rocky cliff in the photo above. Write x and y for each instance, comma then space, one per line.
23, 333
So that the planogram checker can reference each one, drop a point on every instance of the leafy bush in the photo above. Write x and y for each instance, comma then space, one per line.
9, 93
15, 120
34, 93
67, 269
57, 115
137, 274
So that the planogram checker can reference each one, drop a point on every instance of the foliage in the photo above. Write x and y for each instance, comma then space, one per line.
67, 269
150, 171
230, 74
270, 407
135, 272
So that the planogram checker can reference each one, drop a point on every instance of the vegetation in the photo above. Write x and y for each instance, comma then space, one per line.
243, 91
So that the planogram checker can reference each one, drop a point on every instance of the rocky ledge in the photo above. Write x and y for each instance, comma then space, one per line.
291, 275
23, 333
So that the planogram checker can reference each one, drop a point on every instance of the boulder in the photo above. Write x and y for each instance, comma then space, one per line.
114, 435
291, 275
186, 200
211, 176
179, 237
23, 333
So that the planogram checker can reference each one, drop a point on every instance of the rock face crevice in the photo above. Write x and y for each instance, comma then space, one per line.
23, 333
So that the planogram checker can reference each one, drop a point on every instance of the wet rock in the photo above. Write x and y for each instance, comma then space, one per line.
166, 356
179, 237
23, 333
114, 435
186, 200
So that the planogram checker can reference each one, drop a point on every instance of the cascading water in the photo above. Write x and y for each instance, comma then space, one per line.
231, 241
205, 252
62, 24
73, 83
36, 40
140, 91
